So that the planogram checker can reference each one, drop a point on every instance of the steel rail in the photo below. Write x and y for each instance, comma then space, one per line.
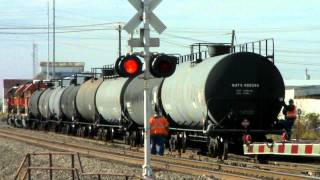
122, 158
225, 166
172, 164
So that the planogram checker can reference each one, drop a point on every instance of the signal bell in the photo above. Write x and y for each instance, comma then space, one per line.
128, 66
163, 65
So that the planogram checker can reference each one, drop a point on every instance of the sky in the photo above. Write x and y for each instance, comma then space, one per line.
294, 25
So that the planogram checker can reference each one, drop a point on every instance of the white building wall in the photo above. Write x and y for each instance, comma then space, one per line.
307, 105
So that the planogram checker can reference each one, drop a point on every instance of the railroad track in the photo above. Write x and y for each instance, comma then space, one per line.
292, 168
218, 170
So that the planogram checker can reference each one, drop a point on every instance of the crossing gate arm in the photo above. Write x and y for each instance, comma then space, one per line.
292, 149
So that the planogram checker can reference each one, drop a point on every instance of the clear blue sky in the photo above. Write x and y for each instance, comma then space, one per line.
294, 25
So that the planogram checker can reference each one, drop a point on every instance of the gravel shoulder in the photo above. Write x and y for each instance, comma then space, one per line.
12, 153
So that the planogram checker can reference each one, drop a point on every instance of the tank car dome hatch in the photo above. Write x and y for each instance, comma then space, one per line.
218, 49
219, 85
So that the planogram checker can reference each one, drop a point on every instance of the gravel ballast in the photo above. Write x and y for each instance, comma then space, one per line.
12, 153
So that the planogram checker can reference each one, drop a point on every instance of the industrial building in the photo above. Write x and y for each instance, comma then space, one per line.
62, 69
306, 94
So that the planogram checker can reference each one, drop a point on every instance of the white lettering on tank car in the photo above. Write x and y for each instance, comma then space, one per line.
245, 85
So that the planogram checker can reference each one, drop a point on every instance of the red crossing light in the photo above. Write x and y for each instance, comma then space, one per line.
128, 66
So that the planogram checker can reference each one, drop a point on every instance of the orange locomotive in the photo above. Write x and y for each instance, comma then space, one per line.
18, 99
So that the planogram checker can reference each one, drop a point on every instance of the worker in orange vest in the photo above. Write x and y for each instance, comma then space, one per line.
290, 113
159, 129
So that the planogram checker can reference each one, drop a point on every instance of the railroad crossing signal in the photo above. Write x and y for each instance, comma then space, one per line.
145, 15
163, 65
137, 19
128, 66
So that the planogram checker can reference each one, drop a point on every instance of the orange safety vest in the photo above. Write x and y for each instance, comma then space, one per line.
292, 114
158, 126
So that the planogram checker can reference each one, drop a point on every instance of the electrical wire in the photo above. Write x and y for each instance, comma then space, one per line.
58, 32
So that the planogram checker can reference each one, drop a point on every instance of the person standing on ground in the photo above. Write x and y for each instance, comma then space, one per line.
159, 129
290, 113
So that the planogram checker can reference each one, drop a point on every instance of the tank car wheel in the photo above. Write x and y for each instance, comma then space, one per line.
25, 123
103, 135
33, 125
225, 150
111, 134
43, 126
40, 127
9, 121
73, 130
57, 128
213, 147
67, 129
89, 131
99, 134
126, 138
184, 142
83, 132
17, 122
172, 143
78, 131
133, 139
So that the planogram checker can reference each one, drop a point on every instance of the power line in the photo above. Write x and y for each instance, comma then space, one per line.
184, 37
297, 63
60, 32
59, 27
174, 43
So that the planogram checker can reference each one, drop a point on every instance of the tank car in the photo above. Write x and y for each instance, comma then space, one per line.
211, 103
216, 101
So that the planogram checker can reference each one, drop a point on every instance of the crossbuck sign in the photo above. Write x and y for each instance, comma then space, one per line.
154, 21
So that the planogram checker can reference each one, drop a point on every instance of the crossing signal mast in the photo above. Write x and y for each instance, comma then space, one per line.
157, 66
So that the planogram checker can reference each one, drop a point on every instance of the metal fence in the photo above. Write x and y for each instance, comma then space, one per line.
26, 167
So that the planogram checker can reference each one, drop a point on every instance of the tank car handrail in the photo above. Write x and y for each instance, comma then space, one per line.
257, 47
193, 57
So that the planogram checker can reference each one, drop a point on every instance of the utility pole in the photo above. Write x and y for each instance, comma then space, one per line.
119, 33
54, 41
232, 40
48, 59
34, 58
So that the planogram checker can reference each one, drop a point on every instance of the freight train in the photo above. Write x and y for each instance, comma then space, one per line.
213, 104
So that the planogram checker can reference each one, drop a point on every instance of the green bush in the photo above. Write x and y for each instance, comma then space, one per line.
304, 127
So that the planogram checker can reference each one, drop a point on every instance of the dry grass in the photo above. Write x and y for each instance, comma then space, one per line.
3, 117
